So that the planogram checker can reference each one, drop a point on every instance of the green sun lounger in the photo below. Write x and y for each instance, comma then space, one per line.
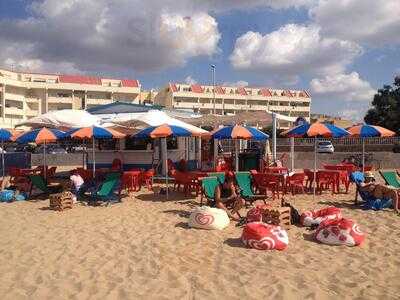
106, 190
39, 182
208, 186
220, 176
243, 179
391, 178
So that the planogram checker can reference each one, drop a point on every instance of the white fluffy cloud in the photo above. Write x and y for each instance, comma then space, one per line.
292, 50
240, 83
366, 21
99, 35
347, 87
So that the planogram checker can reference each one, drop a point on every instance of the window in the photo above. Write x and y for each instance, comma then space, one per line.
172, 143
138, 144
107, 144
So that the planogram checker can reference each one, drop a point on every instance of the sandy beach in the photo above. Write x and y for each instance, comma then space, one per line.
143, 249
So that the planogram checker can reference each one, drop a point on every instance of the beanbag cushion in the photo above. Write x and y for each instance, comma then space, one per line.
6, 195
340, 232
208, 218
315, 217
263, 236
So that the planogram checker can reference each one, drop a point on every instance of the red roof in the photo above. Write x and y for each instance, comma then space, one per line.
306, 94
79, 79
266, 92
287, 93
173, 87
196, 88
241, 90
219, 90
129, 83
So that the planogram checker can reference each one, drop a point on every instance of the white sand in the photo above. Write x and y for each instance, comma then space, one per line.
142, 249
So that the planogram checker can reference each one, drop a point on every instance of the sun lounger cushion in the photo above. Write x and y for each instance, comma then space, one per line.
315, 217
340, 232
205, 217
263, 236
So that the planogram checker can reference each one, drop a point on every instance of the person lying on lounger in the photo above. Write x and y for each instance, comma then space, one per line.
226, 197
386, 193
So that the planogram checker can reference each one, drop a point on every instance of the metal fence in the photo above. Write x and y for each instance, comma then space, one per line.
341, 141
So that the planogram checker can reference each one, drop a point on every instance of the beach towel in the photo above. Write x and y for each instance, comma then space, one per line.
315, 217
210, 218
340, 232
263, 236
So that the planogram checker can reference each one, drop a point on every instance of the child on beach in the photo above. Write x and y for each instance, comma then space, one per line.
77, 185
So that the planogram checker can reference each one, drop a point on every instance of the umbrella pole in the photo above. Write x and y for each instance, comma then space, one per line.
363, 154
166, 166
2, 156
236, 155
315, 167
44, 160
292, 154
93, 158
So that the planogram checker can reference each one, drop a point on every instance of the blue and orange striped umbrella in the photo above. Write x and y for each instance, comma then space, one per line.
163, 131
40, 136
94, 132
364, 131
239, 132
370, 131
316, 130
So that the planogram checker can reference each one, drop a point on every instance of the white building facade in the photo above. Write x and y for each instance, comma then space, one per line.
231, 100
26, 95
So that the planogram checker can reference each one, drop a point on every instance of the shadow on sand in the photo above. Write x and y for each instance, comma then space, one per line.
234, 242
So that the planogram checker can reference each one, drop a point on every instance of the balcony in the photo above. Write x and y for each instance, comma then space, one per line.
91, 101
31, 113
15, 97
54, 99
14, 111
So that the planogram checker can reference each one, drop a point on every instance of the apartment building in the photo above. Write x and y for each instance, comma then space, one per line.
26, 95
230, 100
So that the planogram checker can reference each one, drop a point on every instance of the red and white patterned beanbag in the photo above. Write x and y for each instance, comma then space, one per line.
315, 217
340, 232
208, 218
263, 236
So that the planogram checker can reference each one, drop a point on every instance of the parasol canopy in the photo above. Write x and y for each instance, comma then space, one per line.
316, 130
370, 131
239, 132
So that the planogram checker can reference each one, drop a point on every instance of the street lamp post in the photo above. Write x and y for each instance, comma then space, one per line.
213, 80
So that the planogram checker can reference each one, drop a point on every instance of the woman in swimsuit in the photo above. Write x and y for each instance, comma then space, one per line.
226, 197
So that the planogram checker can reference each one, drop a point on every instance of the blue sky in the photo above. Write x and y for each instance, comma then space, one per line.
341, 51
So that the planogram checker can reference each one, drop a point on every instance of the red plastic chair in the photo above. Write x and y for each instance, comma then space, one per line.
325, 180
130, 181
116, 165
309, 178
295, 182
147, 179
184, 180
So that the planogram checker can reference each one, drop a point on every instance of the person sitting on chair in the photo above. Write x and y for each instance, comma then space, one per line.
387, 195
226, 197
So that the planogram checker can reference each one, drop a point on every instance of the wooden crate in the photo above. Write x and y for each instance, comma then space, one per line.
61, 201
277, 216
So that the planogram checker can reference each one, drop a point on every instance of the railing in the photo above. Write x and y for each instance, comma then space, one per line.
341, 141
